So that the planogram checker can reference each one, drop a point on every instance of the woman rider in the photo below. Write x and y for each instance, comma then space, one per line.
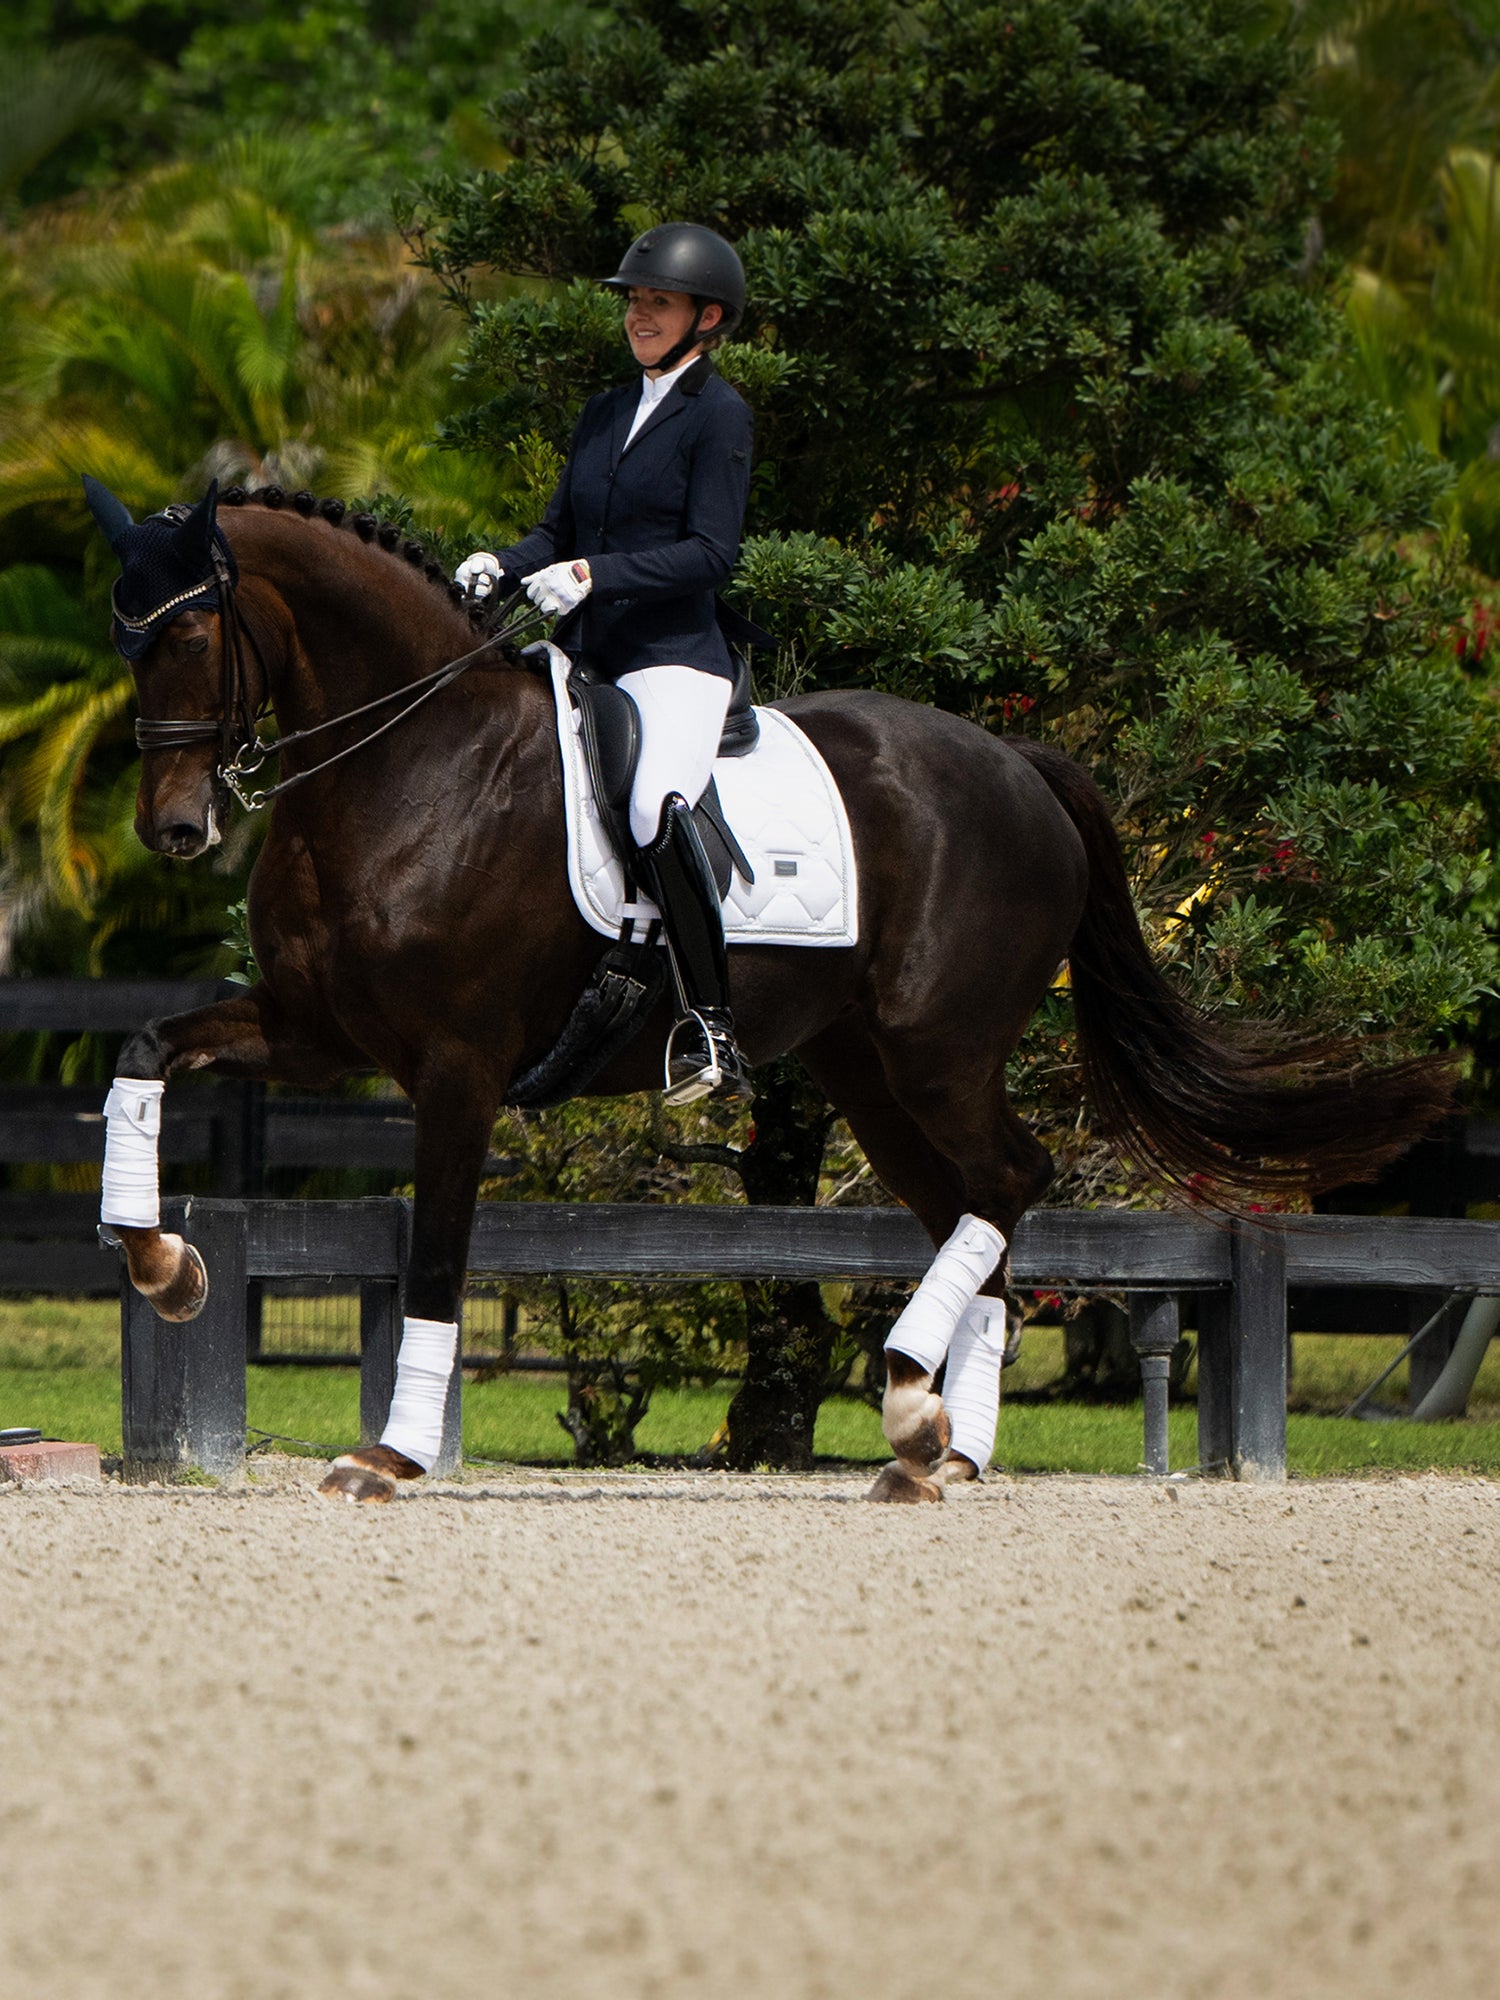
642, 531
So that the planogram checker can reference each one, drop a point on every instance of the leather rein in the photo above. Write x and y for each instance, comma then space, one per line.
242, 750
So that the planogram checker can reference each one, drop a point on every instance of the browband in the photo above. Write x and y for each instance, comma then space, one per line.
172, 604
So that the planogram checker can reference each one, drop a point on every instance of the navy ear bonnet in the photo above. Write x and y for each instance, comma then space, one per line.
171, 562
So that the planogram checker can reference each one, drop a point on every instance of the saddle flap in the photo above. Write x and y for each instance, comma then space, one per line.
741, 724
610, 726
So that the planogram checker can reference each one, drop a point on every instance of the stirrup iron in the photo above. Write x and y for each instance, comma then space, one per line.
723, 1074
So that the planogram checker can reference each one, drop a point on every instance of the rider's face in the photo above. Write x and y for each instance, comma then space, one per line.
656, 321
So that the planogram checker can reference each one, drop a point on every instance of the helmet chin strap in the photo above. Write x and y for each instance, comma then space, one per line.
687, 343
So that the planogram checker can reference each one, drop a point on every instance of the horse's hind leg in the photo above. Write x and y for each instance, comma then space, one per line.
963, 1162
243, 1037
455, 1112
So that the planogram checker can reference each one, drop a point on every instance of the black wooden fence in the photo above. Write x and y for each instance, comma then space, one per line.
229, 1134
1248, 1285
183, 1387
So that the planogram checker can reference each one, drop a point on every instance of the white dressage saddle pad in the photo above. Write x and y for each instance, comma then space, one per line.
786, 814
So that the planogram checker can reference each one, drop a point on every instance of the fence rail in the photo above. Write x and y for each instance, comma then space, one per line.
183, 1388
239, 1132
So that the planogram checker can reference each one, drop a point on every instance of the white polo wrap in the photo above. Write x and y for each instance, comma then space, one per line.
423, 1366
132, 1127
931, 1319
971, 1387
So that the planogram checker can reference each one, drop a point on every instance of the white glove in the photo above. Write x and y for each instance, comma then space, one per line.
558, 589
478, 574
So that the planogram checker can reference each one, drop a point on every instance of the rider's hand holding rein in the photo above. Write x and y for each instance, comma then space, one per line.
559, 588
479, 575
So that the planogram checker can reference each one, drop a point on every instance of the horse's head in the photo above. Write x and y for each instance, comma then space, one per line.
175, 571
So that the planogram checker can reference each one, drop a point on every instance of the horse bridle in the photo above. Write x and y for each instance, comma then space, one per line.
234, 727
242, 750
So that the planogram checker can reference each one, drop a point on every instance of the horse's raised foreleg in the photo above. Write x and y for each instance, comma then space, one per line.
455, 1113
244, 1037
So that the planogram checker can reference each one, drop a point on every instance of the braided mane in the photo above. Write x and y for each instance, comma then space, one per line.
379, 534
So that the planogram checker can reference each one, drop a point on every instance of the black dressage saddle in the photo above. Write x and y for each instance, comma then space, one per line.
610, 732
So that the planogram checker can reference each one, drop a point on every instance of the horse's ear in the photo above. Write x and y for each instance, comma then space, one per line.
113, 515
194, 538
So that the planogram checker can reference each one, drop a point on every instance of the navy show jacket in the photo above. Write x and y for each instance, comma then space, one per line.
659, 522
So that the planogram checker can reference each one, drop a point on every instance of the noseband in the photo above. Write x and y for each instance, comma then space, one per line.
241, 750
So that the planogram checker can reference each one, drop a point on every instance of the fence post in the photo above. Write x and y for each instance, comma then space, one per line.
380, 1334
182, 1386
379, 1337
1154, 1333
1215, 1384
1257, 1353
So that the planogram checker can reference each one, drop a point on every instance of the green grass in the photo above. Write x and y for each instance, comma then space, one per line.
59, 1371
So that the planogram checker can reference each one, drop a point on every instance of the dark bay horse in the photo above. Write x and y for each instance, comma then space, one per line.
410, 912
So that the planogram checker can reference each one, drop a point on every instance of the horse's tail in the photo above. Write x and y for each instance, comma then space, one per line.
1245, 1108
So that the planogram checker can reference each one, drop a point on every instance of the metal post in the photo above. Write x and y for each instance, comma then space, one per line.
1154, 1332
1430, 1355
379, 1337
450, 1453
1257, 1353
182, 1387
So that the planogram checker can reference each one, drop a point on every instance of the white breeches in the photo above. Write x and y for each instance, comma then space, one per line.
682, 718
931, 1319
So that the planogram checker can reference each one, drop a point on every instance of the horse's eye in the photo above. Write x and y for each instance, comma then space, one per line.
199, 645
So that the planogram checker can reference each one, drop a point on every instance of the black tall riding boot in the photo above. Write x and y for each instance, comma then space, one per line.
702, 1059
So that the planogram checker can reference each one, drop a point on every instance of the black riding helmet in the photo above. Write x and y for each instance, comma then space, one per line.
686, 257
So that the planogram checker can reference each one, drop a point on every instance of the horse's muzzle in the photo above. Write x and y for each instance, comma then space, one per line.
183, 838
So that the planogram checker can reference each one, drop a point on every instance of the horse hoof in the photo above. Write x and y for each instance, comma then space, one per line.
348, 1480
185, 1293
914, 1421
369, 1475
953, 1469
904, 1485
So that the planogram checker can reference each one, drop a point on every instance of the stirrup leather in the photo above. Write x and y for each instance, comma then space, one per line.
689, 1077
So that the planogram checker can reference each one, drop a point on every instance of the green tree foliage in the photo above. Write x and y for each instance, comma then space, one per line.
1406, 81
1056, 426
191, 322
47, 97
109, 87
1415, 207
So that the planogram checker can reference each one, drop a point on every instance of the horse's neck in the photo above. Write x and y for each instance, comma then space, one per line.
360, 628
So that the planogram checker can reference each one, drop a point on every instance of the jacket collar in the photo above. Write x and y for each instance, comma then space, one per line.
691, 382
